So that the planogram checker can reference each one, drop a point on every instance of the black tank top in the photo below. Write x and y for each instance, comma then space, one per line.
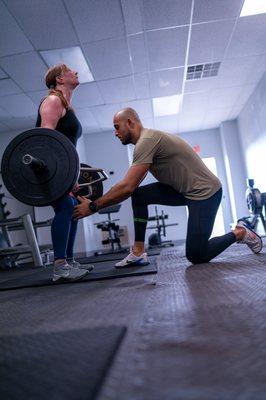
69, 125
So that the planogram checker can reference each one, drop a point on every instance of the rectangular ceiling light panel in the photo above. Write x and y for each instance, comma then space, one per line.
168, 105
73, 58
253, 7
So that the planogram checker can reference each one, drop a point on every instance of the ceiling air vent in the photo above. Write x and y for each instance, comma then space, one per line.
201, 71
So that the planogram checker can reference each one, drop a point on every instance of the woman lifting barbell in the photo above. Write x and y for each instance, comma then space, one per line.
55, 112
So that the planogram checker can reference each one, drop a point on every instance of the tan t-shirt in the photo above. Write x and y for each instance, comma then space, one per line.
175, 163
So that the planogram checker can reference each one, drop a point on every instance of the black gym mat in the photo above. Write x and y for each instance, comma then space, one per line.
105, 270
112, 257
59, 365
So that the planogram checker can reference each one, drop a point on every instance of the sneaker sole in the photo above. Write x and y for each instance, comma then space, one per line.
261, 245
129, 265
68, 279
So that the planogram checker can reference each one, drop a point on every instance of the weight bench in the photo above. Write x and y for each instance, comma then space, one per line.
24, 222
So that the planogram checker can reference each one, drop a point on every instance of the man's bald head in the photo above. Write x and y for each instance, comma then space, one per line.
127, 125
127, 113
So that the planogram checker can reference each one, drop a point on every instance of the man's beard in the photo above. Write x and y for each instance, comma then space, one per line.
127, 139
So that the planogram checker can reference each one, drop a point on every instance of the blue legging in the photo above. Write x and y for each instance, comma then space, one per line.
64, 228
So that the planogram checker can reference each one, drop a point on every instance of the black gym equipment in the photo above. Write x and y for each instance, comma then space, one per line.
41, 165
112, 229
155, 239
256, 203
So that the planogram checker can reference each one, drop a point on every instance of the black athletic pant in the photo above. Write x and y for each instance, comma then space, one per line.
202, 213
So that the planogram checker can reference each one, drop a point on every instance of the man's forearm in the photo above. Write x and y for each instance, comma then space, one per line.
120, 192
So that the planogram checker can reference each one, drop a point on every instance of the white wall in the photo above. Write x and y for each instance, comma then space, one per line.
252, 131
235, 168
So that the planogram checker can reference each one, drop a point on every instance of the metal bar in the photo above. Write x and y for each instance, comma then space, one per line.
103, 178
34, 162
31, 237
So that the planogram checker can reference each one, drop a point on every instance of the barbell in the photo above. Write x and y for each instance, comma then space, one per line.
41, 165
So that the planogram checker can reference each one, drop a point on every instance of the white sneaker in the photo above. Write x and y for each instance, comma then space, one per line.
75, 264
133, 261
251, 238
68, 273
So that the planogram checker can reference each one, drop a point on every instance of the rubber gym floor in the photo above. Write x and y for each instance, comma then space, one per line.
193, 332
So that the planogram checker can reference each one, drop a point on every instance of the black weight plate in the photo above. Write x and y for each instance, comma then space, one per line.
254, 201
40, 188
94, 191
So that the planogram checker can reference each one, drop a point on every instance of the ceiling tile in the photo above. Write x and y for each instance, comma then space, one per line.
133, 16
26, 69
4, 114
3, 75
46, 23
218, 98
37, 96
3, 128
189, 122
14, 39
209, 41
172, 44
7, 86
195, 101
148, 123
234, 113
143, 108
245, 93
87, 95
142, 86
166, 82
104, 115
138, 53
96, 19
18, 106
213, 118
210, 10
21, 124
201, 85
87, 120
162, 14
232, 72
249, 37
108, 58
116, 90
167, 124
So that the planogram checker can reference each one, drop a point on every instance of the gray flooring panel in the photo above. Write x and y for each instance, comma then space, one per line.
57, 365
194, 332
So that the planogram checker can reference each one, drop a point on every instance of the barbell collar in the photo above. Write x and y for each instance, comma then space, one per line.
35, 163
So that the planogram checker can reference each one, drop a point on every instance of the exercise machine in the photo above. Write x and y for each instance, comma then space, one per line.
155, 239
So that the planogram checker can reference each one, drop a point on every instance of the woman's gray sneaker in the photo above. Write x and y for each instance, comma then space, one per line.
67, 273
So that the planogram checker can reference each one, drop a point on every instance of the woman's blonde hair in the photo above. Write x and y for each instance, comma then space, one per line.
50, 80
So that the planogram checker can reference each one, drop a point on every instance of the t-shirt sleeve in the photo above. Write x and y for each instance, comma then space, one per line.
145, 151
